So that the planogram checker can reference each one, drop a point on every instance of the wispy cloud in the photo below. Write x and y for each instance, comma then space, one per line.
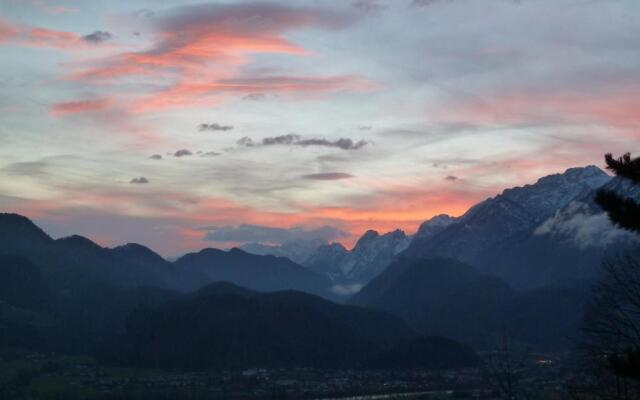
268, 234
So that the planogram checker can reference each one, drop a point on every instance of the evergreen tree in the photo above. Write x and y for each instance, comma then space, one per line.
623, 211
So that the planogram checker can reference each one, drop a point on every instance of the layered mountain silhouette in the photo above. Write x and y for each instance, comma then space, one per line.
76, 260
518, 264
222, 325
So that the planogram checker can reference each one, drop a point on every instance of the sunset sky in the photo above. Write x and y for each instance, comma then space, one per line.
162, 122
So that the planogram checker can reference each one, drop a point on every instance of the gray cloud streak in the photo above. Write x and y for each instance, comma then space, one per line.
328, 176
214, 127
97, 37
182, 153
296, 140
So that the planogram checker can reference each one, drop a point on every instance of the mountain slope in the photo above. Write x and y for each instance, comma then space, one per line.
567, 248
69, 261
447, 298
262, 273
495, 234
22, 284
328, 260
296, 250
515, 210
370, 256
439, 297
433, 226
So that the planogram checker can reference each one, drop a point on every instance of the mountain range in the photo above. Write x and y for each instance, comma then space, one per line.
517, 264
72, 260
370, 256
344, 268
548, 232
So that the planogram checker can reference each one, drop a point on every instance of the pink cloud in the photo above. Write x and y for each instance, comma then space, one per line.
51, 8
81, 106
41, 37
195, 94
612, 106
7, 31
24, 35
198, 51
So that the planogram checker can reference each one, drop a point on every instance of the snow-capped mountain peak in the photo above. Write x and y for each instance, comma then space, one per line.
433, 226
511, 215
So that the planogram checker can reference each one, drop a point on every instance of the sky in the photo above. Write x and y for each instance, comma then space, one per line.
182, 125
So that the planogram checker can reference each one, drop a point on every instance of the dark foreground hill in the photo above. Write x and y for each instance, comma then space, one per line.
224, 326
